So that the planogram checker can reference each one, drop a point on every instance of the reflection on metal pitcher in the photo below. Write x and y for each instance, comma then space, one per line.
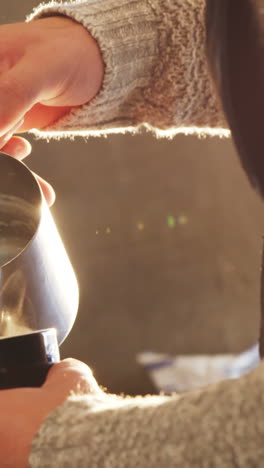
13, 296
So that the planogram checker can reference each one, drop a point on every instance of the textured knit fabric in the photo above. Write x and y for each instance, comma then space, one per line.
156, 69
156, 75
219, 427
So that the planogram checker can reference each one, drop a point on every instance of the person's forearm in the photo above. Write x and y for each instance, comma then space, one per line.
156, 72
220, 426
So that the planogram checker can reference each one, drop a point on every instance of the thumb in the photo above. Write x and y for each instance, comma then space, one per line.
70, 377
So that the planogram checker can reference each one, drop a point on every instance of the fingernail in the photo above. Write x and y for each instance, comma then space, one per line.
19, 151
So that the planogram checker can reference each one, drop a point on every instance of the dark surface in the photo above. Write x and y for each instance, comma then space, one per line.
190, 288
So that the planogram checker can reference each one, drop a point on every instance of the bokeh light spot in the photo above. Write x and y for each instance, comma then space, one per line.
171, 222
140, 226
182, 220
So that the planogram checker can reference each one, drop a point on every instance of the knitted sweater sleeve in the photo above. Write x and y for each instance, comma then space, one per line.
218, 427
156, 72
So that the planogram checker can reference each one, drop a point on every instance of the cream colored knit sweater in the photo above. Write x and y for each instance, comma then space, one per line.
156, 75
156, 71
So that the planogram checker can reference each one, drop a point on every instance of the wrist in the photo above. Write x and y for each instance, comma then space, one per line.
93, 65
85, 60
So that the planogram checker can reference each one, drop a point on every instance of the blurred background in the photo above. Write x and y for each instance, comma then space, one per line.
165, 238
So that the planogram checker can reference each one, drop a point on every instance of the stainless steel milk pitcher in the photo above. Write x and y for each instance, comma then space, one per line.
38, 287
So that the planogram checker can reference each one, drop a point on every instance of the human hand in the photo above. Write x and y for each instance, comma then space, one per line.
24, 409
47, 66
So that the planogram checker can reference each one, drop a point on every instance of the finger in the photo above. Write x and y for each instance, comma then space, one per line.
20, 148
71, 377
41, 116
17, 147
5, 138
34, 114
47, 190
20, 88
